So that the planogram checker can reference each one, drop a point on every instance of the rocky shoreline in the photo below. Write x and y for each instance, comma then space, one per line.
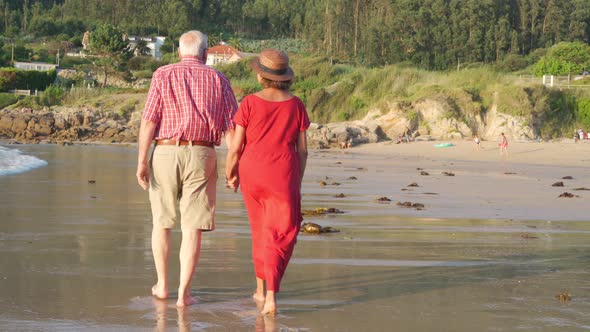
67, 126
427, 119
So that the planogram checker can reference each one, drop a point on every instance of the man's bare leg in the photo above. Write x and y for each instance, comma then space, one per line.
190, 249
160, 249
270, 304
259, 294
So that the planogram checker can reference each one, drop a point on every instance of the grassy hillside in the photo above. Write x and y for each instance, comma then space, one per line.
338, 92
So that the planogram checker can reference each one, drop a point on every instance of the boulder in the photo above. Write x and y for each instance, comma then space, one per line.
19, 124
6, 121
45, 125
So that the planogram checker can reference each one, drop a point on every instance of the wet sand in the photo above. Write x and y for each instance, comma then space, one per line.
488, 253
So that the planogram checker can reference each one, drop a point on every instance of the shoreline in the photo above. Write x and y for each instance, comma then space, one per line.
484, 186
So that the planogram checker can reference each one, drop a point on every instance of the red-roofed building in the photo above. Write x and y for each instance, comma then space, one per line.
224, 53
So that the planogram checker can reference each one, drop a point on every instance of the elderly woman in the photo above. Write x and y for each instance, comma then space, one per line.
267, 158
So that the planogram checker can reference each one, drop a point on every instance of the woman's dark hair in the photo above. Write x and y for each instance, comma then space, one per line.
281, 85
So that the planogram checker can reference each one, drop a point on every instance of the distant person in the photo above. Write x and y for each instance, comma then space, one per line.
407, 134
477, 142
400, 139
349, 143
267, 157
188, 109
346, 144
503, 144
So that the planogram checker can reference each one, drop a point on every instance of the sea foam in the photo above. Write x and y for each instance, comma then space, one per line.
13, 161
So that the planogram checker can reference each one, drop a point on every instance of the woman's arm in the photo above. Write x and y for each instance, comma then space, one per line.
302, 153
233, 157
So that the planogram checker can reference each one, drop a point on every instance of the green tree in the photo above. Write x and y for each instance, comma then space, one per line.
564, 59
110, 48
235, 43
141, 48
7, 79
579, 26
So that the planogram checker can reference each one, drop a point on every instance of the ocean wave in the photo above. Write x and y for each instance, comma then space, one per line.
13, 161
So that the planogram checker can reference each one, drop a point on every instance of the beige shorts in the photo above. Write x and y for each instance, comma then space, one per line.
183, 184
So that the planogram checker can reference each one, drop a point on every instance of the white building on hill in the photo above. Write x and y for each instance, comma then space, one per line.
41, 66
153, 43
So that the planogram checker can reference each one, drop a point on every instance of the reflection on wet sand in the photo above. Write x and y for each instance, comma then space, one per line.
182, 313
168, 316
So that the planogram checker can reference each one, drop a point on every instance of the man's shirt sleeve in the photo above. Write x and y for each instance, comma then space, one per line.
153, 109
230, 105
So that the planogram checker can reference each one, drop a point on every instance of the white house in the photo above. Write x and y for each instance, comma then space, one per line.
153, 43
41, 66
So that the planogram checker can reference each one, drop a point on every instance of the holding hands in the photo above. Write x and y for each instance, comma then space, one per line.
232, 180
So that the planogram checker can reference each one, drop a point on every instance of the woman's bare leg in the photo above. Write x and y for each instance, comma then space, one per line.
270, 304
259, 294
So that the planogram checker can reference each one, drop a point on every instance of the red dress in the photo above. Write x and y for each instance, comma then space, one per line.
269, 178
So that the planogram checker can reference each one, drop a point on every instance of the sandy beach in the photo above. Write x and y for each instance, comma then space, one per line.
485, 185
490, 251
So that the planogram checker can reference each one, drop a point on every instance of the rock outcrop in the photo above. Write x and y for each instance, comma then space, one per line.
68, 125
428, 118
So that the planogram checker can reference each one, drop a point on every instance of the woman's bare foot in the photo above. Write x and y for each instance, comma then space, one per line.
185, 299
269, 309
270, 304
159, 292
258, 297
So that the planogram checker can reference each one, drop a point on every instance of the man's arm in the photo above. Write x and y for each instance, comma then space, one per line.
146, 134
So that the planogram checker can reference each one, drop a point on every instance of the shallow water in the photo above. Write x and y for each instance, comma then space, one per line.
76, 256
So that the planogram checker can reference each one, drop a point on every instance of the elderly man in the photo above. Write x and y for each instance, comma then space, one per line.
188, 109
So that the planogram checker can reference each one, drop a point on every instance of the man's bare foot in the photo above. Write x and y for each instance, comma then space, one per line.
159, 292
185, 300
258, 297
269, 309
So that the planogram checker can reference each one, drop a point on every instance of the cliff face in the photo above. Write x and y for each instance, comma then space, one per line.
429, 118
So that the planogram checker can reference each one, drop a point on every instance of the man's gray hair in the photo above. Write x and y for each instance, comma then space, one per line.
192, 43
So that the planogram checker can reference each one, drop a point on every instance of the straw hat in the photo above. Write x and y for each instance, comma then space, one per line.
273, 65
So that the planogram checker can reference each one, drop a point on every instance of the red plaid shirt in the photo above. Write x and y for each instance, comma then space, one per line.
190, 101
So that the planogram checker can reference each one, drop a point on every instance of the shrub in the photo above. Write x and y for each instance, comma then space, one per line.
7, 79
143, 74
240, 69
73, 62
344, 116
34, 80
7, 99
138, 62
53, 95
583, 112
128, 108
357, 103
29, 102
513, 62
